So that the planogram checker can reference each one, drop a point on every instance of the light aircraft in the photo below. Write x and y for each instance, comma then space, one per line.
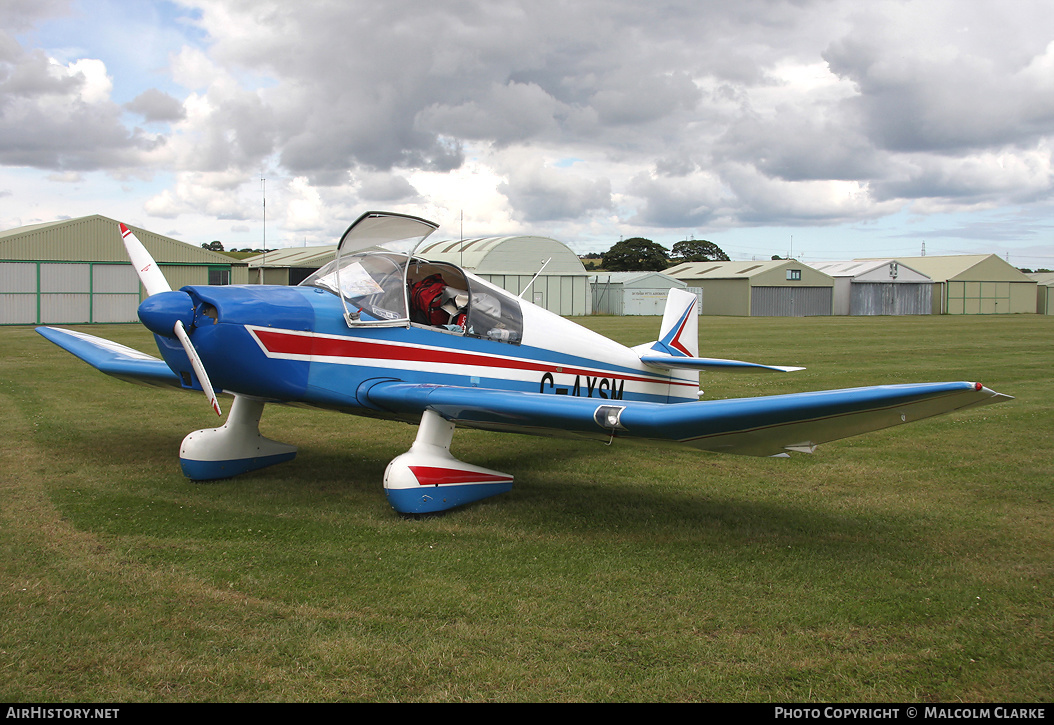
379, 332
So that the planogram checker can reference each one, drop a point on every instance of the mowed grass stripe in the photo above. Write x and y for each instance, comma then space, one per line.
908, 565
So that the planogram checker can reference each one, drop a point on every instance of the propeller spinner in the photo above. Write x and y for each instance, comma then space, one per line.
164, 311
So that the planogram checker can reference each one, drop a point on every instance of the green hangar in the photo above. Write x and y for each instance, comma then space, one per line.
777, 288
76, 271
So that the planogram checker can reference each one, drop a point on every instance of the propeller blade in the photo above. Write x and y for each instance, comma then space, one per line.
199, 368
154, 282
145, 266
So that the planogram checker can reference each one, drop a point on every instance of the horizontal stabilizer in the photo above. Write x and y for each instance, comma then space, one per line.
113, 358
711, 364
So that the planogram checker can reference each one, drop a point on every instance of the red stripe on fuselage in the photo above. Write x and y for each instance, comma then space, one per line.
283, 343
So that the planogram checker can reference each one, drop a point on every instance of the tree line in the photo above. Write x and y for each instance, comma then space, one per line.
643, 255
217, 246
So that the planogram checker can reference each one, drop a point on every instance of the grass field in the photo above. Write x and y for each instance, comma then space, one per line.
913, 564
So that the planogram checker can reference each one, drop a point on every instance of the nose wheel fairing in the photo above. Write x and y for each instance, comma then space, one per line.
234, 448
428, 479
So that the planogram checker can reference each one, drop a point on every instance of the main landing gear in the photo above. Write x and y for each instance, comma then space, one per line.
427, 479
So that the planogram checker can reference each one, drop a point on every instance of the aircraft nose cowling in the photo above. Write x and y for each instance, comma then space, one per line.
160, 312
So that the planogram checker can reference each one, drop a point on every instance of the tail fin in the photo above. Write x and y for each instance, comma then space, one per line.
678, 341
679, 334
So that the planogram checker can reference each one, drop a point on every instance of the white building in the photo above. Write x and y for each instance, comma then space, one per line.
634, 293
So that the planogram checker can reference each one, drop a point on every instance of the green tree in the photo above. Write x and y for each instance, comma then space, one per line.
698, 250
636, 255
215, 246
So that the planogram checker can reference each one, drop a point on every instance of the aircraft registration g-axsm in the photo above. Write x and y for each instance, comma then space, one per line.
381, 333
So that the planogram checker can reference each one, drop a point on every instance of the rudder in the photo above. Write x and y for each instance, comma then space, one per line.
679, 333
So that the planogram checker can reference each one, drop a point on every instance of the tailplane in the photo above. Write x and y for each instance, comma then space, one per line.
678, 345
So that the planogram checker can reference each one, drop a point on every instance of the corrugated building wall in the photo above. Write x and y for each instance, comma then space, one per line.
770, 301
871, 298
878, 287
77, 271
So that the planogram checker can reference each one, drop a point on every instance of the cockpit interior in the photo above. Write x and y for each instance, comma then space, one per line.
387, 289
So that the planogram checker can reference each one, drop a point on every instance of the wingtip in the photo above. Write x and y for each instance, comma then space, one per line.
990, 396
982, 388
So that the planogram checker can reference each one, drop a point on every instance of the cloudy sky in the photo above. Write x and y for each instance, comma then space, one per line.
830, 128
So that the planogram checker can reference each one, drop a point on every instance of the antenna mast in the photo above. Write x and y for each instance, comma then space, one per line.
263, 264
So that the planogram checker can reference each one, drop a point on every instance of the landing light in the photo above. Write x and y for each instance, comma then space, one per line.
608, 417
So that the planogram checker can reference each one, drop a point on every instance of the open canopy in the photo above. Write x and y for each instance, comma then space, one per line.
392, 232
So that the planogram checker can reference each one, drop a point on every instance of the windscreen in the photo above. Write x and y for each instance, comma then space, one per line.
374, 288
371, 283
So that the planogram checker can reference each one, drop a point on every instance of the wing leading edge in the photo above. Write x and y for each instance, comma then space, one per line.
113, 358
763, 426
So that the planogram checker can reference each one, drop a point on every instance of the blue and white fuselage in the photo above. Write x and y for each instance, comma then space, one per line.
306, 354
388, 335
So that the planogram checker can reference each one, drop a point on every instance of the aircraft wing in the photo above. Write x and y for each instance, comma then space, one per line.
113, 358
764, 426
